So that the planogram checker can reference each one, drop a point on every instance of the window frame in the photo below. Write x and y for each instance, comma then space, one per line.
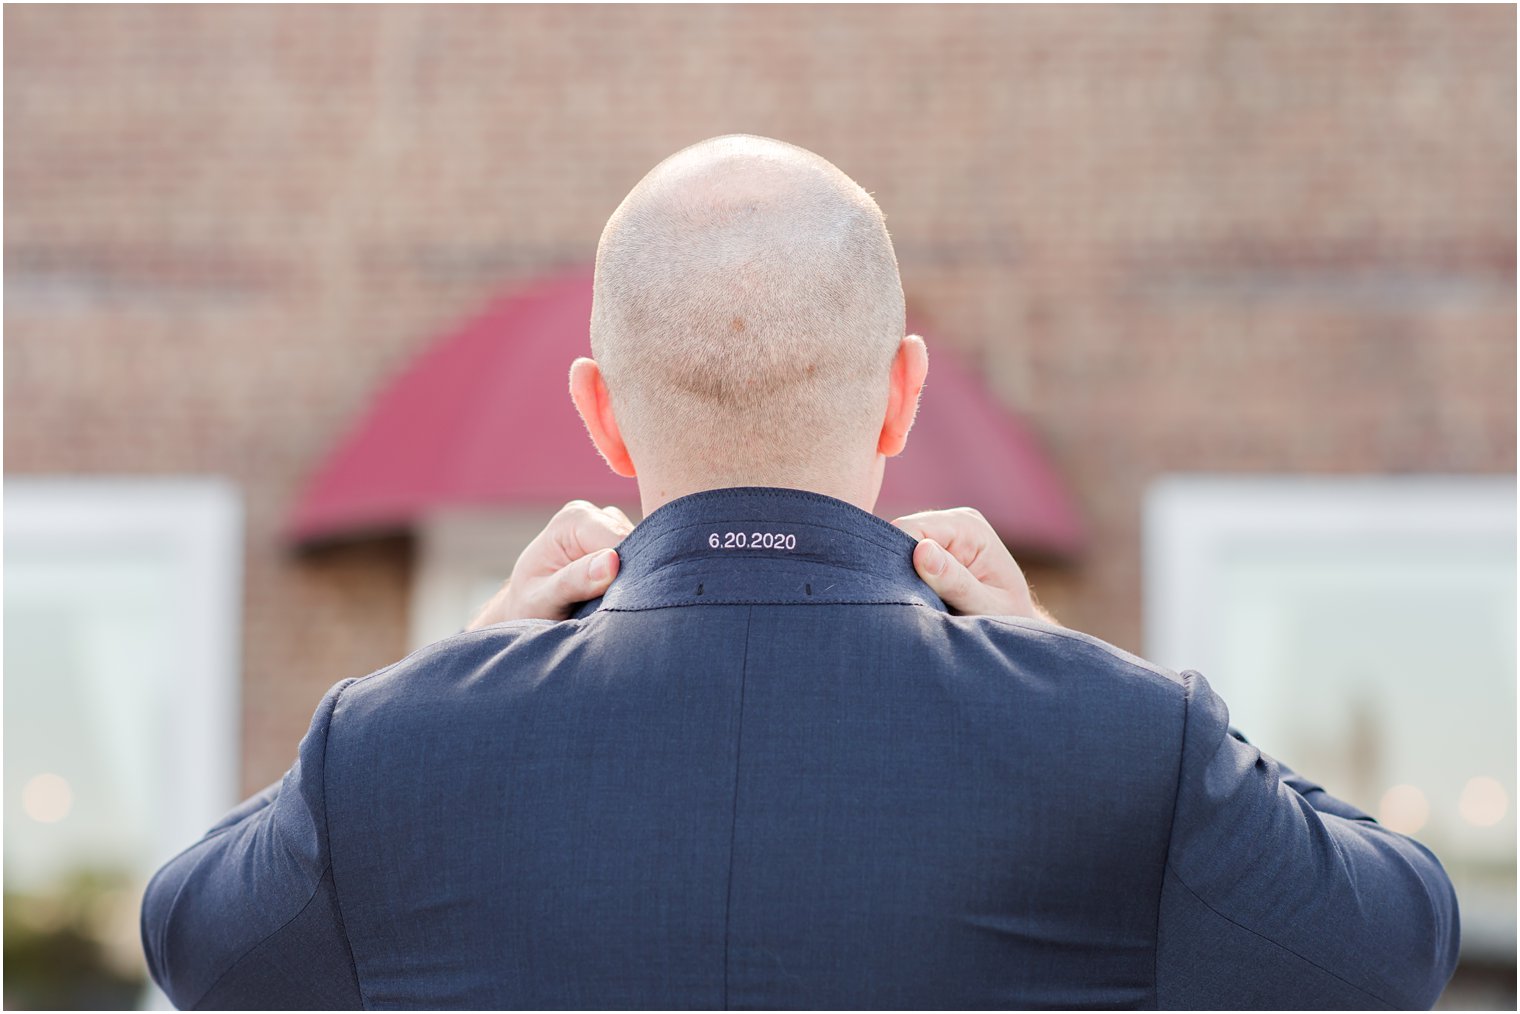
202, 520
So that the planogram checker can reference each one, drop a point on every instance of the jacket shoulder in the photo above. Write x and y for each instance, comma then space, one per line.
452, 671
1032, 645
1063, 690
1076, 641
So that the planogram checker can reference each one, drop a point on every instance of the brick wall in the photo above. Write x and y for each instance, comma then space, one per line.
1192, 238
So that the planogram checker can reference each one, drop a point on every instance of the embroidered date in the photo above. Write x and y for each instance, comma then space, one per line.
752, 540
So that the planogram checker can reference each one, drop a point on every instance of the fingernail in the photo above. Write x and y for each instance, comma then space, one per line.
601, 565
934, 557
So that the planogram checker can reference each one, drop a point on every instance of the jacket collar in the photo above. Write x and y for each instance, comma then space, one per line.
762, 544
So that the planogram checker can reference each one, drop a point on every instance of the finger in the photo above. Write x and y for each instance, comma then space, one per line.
580, 529
963, 520
962, 591
946, 576
598, 530
617, 515
912, 524
962, 531
579, 581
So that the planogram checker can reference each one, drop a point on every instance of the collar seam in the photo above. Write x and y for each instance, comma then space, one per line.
774, 493
814, 601
717, 554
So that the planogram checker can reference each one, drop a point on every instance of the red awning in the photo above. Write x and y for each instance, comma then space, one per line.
483, 418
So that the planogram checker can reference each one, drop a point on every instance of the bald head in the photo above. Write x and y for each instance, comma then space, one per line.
747, 310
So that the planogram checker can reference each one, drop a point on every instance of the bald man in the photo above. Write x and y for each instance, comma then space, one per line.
755, 751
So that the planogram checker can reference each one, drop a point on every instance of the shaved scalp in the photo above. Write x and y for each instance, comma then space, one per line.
747, 309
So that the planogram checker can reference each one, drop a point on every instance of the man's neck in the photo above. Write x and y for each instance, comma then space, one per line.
655, 491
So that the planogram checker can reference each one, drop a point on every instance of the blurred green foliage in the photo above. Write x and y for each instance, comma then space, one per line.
74, 947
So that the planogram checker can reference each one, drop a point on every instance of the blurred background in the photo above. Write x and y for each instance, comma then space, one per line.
1220, 304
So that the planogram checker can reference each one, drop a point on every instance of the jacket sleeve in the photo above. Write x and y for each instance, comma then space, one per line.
248, 917
1278, 895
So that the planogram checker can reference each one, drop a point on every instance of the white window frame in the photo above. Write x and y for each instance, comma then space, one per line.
1191, 521
202, 518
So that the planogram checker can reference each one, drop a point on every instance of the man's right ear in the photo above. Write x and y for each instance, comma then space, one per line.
589, 392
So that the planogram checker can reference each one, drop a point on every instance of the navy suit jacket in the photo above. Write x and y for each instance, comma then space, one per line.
770, 769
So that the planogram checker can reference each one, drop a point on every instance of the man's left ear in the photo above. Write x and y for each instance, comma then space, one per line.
909, 368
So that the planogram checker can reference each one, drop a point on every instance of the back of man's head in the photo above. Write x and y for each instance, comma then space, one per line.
747, 310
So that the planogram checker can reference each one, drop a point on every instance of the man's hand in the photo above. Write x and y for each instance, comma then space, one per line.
967, 565
570, 561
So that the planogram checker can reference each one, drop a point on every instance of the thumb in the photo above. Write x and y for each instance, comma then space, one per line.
950, 579
577, 581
